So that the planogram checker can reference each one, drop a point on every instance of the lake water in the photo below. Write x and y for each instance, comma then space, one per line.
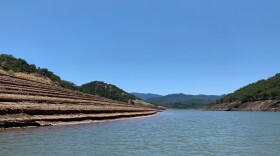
173, 132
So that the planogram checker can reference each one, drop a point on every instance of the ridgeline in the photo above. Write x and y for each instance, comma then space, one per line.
180, 101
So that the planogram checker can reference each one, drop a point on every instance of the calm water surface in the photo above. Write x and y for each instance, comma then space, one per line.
173, 132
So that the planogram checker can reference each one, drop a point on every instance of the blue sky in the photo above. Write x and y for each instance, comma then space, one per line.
150, 46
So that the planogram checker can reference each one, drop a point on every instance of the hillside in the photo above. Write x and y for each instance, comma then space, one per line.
18, 67
183, 101
109, 91
29, 103
262, 90
145, 96
263, 95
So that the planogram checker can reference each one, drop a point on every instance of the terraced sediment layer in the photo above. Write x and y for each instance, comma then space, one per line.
29, 103
263, 105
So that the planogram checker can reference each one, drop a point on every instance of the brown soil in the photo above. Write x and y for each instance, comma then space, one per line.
265, 105
29, 103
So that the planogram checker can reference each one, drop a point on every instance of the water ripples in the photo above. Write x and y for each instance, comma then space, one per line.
174, 132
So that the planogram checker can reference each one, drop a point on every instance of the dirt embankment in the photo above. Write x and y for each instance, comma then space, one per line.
29, 103
265, 105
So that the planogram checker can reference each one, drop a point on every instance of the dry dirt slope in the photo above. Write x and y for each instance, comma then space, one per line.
264, 105
29, 103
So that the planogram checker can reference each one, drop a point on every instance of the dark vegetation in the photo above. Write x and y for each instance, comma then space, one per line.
12, 64
107, 90
187, 104
262, 90
184, 97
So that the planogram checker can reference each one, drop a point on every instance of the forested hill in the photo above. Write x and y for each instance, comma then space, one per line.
107, 90
20, 68
262, 90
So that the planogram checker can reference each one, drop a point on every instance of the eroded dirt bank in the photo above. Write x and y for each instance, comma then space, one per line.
29, 103
265, 105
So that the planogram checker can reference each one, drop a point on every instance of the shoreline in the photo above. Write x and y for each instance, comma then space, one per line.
74, 121
26, 103
250, 106
94, 121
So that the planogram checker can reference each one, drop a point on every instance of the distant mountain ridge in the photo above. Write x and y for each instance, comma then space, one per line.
145, 96
183, 97
180, 100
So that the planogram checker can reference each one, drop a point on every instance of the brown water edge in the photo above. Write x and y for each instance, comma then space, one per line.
54, 120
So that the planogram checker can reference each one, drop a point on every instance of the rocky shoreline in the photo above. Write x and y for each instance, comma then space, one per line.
264, 105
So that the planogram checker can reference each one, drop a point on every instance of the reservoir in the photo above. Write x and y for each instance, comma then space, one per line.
172, 132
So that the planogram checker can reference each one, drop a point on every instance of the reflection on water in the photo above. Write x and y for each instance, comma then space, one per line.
173, 132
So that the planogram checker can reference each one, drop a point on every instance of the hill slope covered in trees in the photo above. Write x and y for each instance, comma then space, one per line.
262, 90
263, 95
107, 90
18, 66
21, 68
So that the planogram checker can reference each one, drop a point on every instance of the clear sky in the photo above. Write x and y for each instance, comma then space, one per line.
155, 46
